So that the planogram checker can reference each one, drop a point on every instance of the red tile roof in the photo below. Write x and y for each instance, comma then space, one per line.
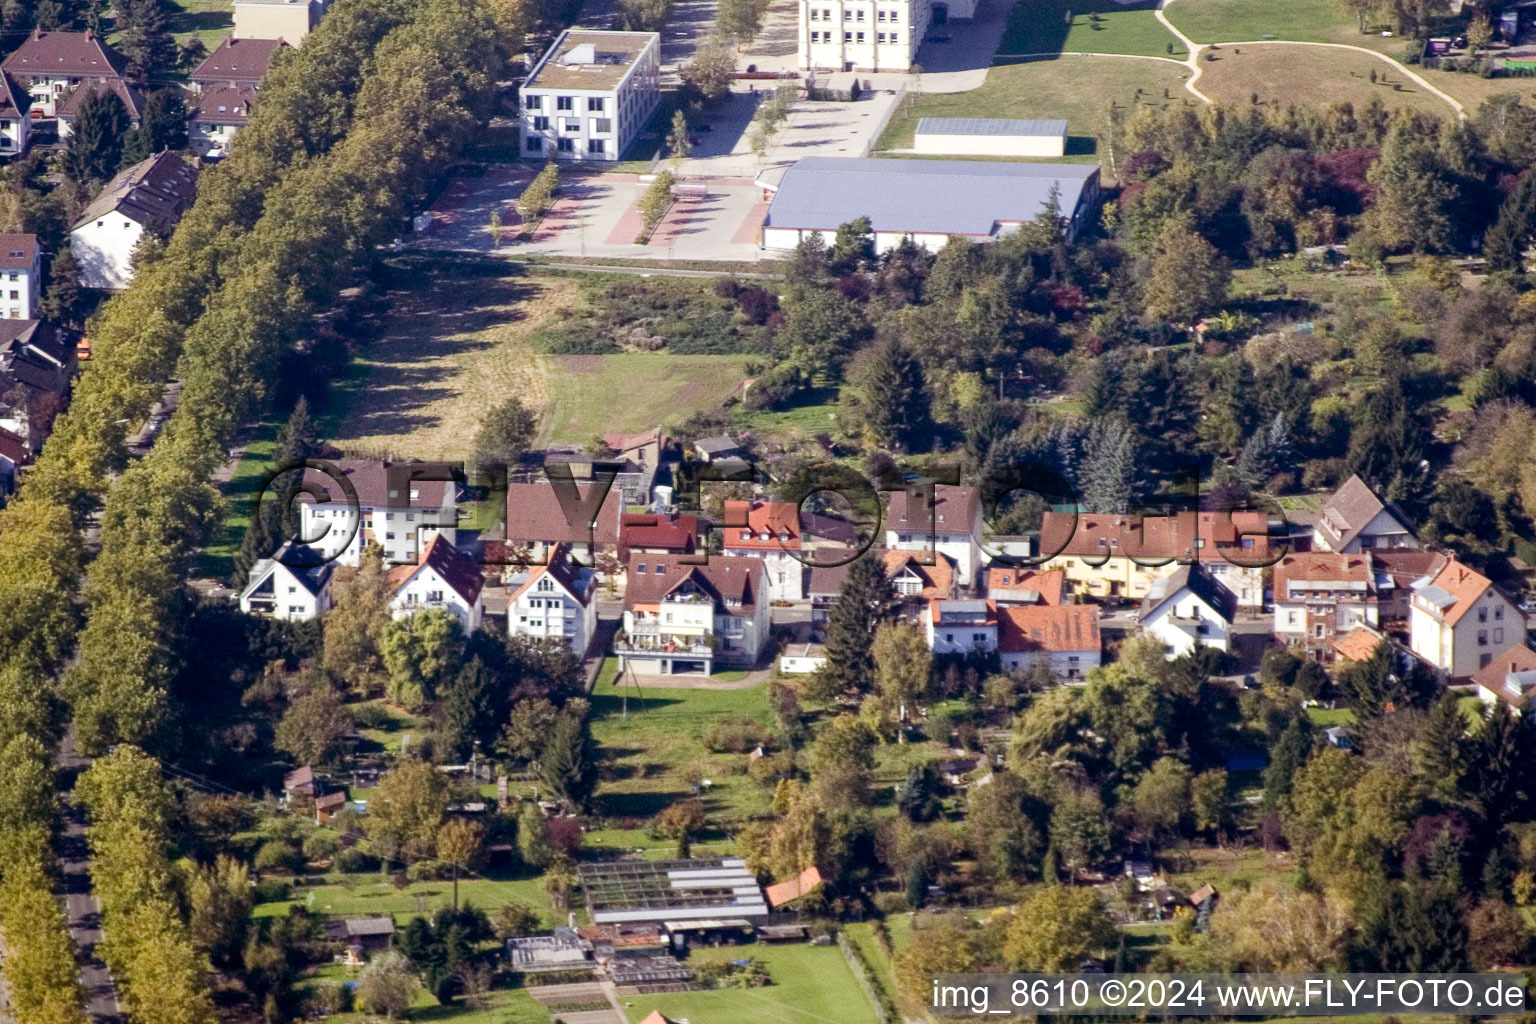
1072, 627
652, 531
1012, 583
237, 60
1464, 584
938, 578
18, 252
535, 516
562, 570
731, 582
1237, 537
772, 525
225, 104
14, 100
132, 101
1514, 658
789, 890
1322, 567
371, 479
61, 54
1358, 644
954, 509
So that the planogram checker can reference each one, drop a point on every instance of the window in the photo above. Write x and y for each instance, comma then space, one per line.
1482, 614
595, 103
293, 590
541, 124
847, 37
546, 585
535, 144
389, 536
595, 145
882, 16
1290, 618
566, 145
1482, 638
949, 638
860, 37
661, 570
895, 17
15, 277
860, 15
978, 638
815, 14
533, 102
565, 103
602, 125
570, 124
1498, 613
1498, 635
880, 37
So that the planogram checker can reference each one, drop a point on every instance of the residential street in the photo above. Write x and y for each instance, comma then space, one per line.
79, 904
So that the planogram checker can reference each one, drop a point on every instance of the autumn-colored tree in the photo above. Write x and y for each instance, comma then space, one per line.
408, 808
354, 627
1055, 929
1274, 928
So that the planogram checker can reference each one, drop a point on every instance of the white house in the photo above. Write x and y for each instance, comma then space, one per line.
444, 578
1064, 637
1354, 519
925, 202
15, 117
221, 111
946, 519
294, 584
1189, 609
395, 511
148, 197
769, 530
690, 619
1321, 597
1457, 620
590, 95
990, 136
1510, 677
961, 627
21, 276
53, 64
556, 600
863, 35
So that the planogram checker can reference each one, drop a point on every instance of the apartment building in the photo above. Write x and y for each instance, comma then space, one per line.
557, 600
590, 95
1458, 620
398, 513
684, 619
1320, 597
21, 276
52, 65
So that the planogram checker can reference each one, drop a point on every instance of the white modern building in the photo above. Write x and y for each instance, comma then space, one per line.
1189, 609
944, 520
870, 35
990, 136
148, 197
961, 627
557, 600
21, 276
294, 584
445, 579
590, 95
925, 201
394, 509
1458, 620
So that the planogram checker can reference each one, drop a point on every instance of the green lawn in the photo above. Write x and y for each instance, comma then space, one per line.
632, 391
356, 895
655, 746
218, 558
1329, 717
508, 1006
810, 985
1307, 21
1087, 26
208, 20
1053, 89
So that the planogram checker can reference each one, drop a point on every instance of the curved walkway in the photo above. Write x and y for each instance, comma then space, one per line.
1196, 51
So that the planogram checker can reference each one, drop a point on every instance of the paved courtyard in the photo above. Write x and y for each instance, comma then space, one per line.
598, 215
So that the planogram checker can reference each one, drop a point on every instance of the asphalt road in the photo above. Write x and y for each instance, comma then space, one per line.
79, 905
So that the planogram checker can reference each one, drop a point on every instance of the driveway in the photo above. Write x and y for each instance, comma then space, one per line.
961, 64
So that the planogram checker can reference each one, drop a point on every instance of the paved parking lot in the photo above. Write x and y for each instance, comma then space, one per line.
598, 215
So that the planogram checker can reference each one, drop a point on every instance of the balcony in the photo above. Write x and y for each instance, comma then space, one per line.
654, 640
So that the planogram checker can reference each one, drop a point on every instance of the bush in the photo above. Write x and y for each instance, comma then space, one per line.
428, 871
355, 861
739, 735
371, 716
892, 903
272, 890
279, 855
320, 846
768, 771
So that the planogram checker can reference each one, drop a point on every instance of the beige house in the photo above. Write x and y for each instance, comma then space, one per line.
1355, 519
288, 20
683, 619
1321, 597
1458, 620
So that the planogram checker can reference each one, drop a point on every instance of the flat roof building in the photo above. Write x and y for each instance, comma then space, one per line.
927, 201
671, 890
590, 95
990, 136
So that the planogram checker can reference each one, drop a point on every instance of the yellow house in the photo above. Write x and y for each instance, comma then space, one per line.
1119, 556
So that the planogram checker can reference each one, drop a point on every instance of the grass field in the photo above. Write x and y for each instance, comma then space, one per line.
507, 1006
632, 391
1474, 90
218, 558
659, 741
456, 345
208, 20
355, 895
1311, 75
1052, 88
1329, 717
810, 985
1087, 26
1216, 21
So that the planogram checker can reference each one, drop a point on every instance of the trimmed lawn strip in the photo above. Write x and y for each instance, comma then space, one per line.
1088, 26
810, 985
